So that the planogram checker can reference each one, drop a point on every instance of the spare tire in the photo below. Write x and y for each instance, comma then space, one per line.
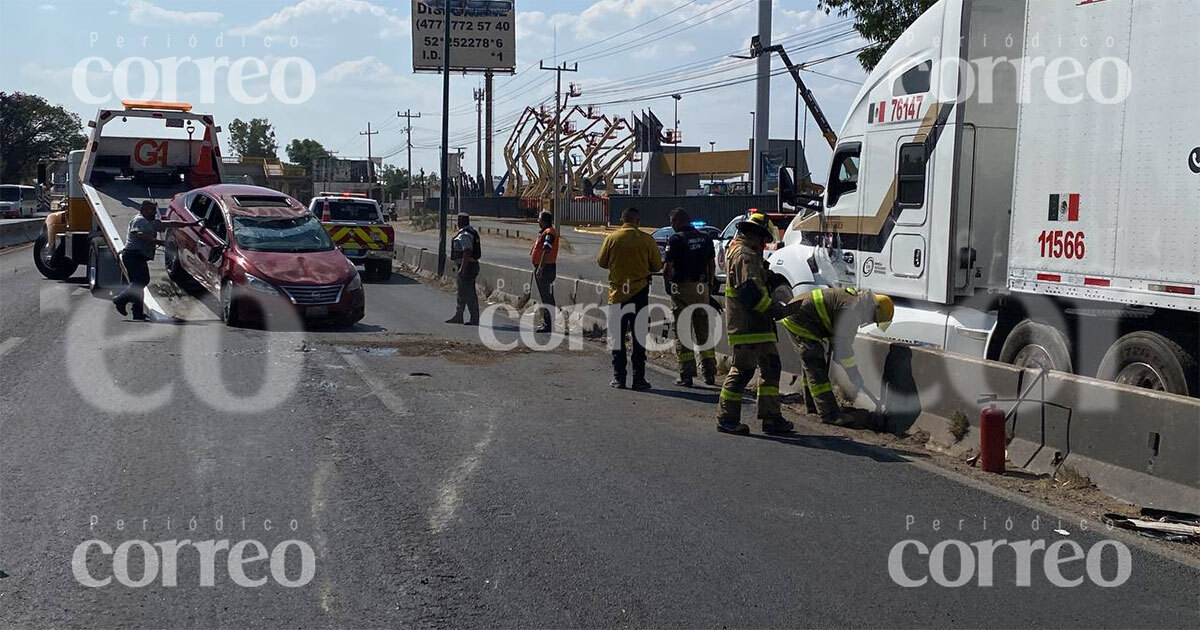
1034, 345
1150, 360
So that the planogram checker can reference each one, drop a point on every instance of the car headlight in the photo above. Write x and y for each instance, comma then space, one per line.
260, 285
355, 283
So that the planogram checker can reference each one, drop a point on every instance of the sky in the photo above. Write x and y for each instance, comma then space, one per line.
77, 52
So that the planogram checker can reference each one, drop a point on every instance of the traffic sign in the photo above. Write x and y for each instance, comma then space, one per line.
483, 35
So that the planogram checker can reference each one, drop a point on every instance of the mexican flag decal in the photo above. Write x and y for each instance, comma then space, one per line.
1064, 207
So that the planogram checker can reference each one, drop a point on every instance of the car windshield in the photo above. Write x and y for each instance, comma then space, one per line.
281, 234
10, 194
663, 234
350, 210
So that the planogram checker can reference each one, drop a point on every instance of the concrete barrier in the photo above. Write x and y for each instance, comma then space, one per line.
20, 231
1139, 446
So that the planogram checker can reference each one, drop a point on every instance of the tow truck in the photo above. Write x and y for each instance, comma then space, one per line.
149, 150
358, 228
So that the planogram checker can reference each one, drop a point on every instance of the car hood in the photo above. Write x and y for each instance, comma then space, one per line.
307, 268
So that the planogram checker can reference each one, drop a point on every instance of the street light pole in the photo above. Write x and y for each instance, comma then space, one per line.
712, 148
675, 137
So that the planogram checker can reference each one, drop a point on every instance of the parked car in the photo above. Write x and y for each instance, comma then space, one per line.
358, 227
258, 251
18, 202
780, 219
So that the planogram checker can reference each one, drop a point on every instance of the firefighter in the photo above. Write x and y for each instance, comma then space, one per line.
832, 316
691, 263
750, 314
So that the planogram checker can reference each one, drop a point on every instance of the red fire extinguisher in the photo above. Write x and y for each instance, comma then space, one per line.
991, 439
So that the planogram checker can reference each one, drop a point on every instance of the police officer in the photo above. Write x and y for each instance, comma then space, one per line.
832, 316
544, 255
750, 315
465, 252
690, 265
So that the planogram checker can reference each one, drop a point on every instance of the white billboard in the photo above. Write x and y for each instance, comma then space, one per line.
483, 35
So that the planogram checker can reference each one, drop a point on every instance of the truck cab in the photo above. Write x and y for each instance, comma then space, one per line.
358, 227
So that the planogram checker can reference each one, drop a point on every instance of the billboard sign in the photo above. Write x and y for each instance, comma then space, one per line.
483, 35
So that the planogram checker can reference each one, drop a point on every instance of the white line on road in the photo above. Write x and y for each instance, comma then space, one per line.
378, 387
448, 498
9, 344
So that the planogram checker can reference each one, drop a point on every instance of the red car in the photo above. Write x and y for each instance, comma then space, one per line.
259, 250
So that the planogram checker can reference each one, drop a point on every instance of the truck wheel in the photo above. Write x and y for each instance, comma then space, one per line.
381, 270
1034, 345
93, 270
1149, 360
51, 266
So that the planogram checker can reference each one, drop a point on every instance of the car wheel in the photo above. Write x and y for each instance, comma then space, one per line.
229, 306
175, 270
1037, 346
1149, 360
49, 265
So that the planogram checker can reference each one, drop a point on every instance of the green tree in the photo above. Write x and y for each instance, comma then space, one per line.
31, 128
304, 152
880, 22
395, 180
253, 139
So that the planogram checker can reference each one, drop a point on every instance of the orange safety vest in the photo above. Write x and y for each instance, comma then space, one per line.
538, 251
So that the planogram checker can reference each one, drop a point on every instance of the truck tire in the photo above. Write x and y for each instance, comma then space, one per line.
1149, 360
49, 265
1034, 345
381, 270
93, 270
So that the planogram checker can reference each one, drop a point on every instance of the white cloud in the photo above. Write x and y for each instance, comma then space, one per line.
390, 24
48, 7
147, 13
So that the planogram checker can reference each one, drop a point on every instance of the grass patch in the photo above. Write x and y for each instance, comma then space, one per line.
959, 426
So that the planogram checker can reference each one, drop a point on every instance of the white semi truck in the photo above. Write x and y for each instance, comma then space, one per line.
1024, 177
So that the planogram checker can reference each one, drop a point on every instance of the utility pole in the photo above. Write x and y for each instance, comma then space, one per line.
445, 200
479, 94
558, 70
762, 126
675, 137
487, 115
408, 116
370, 162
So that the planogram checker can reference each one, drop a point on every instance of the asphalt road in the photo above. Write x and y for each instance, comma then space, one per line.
439, 484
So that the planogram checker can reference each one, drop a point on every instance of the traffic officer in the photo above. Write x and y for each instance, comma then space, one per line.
465, 252
750, 315
832, 316
544, 255
691, 263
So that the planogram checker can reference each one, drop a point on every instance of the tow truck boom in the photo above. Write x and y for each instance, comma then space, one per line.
757, 49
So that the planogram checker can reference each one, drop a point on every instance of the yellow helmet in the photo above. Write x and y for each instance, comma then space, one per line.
885, 311
757, 222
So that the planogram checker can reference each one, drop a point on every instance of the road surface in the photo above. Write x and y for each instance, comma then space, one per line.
440, 484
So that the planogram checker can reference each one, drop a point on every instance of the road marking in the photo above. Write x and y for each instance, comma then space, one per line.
378, 387
9, 344
448, 496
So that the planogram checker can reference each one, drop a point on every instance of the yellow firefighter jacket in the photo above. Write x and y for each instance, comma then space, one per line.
831, 314
745, 324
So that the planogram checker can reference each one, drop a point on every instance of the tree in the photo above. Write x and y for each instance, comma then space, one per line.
395, 180
304, 152
253, 139
880, 22
31, 128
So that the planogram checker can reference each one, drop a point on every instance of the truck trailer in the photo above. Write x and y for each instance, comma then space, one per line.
147, 150
1023, 176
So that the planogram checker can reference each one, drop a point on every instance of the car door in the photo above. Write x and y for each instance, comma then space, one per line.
214, 239
187, 240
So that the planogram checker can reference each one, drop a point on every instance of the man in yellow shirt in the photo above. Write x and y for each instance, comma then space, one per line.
631, 258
